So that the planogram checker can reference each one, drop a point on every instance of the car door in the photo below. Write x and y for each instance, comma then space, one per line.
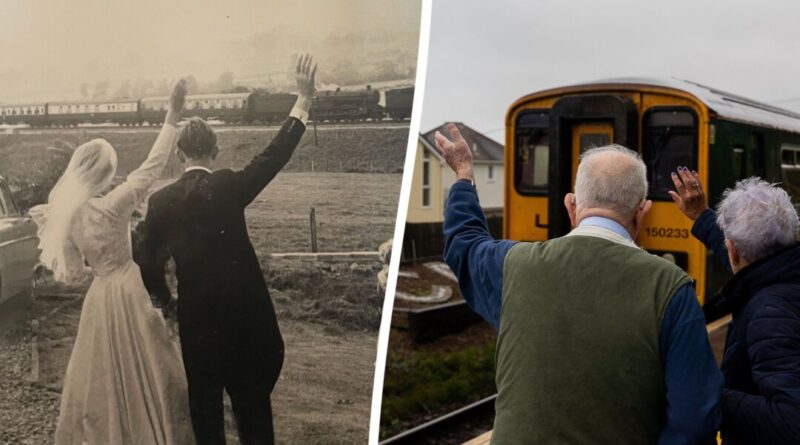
18, 247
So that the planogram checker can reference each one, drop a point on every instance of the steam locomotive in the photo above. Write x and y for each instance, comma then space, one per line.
235, 108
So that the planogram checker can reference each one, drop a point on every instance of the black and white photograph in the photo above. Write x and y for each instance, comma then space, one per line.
197, 203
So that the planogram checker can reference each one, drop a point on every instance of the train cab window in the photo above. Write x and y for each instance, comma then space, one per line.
669, 140
790, 171
532, 152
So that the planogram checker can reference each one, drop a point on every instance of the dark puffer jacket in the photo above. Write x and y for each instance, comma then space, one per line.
761, 363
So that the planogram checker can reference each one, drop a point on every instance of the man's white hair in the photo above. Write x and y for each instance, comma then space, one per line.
758, 217
617, 182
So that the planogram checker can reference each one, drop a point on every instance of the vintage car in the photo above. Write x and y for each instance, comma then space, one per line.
19, 254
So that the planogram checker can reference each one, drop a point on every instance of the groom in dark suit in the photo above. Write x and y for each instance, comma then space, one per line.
228, 328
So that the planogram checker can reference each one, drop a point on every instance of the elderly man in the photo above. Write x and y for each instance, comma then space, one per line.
599, 341
754, 234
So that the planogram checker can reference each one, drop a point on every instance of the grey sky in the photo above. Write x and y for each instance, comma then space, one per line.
49, 48
484, 55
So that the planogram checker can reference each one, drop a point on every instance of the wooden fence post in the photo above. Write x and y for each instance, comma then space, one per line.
313, 223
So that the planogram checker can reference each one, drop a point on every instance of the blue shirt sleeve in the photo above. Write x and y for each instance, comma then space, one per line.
691, 376
706, 230
473, 255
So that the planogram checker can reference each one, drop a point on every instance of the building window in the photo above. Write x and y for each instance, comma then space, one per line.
491, 173
426, 178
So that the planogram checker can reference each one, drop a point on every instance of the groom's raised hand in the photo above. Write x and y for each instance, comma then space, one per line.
305, 74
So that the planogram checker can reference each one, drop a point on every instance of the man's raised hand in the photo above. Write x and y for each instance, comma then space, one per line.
689, 195
306, 71
455, 152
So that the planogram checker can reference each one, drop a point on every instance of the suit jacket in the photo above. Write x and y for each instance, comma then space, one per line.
199, 221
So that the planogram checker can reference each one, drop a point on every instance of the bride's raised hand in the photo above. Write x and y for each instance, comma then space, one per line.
177, 99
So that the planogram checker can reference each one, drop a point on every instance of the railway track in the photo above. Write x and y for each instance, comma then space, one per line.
453, 428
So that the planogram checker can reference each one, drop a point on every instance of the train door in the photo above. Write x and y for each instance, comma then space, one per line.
670, 138
578, 123
586, 135
756, 158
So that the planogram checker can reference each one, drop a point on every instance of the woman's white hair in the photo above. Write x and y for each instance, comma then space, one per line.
758, 218
90, 171
617, 183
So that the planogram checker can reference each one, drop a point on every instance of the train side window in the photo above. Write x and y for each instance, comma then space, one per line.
532, 152
739, 162
790, 171
669, 140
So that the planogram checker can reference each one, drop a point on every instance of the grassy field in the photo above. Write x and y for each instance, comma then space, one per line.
354, 211
425, 381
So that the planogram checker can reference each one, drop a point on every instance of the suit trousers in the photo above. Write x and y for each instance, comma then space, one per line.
212, 367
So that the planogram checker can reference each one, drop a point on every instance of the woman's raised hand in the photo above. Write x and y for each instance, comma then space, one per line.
688, 195
178, 96
176, 101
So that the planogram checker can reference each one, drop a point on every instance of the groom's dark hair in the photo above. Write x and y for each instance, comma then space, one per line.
197, 139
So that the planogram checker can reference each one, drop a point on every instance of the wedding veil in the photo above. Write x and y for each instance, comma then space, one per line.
89, 172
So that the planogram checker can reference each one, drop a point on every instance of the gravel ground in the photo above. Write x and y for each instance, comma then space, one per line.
27, 410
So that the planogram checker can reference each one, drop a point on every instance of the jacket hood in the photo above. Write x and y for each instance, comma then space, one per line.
780, 267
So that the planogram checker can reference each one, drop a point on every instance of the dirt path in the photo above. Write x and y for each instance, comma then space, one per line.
322, 397
324, 393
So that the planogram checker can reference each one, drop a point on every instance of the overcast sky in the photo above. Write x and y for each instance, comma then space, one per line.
48, 48
484, 55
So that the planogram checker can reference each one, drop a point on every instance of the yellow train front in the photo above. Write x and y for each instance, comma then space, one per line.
672, 123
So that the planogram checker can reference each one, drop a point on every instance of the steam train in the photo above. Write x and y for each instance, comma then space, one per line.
235, 108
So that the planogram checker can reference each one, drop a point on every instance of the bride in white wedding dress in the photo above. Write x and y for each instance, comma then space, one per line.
125, 382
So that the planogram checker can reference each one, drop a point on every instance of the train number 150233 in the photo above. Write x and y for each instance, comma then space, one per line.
666, 232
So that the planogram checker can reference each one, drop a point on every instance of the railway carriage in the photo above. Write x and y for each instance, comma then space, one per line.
228, 107
399, 102
153, 110
725, 137
270, 107
33, 114
123, 112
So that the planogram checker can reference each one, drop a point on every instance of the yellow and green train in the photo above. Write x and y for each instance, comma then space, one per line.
725, 137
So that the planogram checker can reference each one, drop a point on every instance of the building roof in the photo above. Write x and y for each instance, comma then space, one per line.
726, 105
484, 149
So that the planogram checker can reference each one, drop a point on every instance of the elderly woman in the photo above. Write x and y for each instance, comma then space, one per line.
754, 233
